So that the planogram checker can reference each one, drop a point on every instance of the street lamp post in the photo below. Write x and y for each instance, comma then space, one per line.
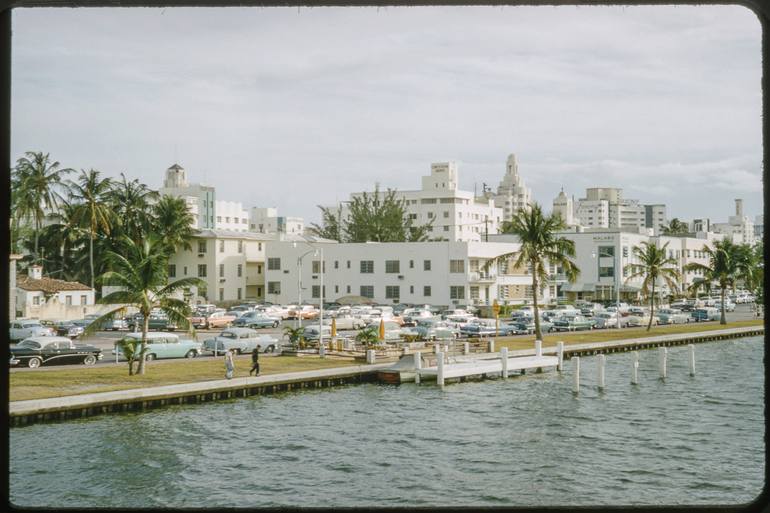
617, 279
316, 251
299, 285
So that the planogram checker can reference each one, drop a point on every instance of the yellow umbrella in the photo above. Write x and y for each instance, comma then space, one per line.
334, 327
382, 329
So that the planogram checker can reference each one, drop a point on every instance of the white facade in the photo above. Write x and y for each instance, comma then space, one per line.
655, 217
230, 215
593, 213
267, 220
40, 297
739, 227
605, 207
456, 215
437, 273
512, 193
200, 198
563, 205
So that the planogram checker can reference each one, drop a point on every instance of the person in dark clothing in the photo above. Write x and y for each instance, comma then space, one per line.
255, 362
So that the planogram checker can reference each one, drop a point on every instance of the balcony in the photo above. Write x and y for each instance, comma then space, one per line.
479, 277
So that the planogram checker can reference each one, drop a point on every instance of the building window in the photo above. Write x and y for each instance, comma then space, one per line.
336, 264
367, 291
392, 292
336, 289
606, 251
411, 264
348, 289
259, 246
367, 267
221, 270
392, 266
457, 266
316, 266
240, 271
185, 270
446, 213
457, 292
430, 215
273, 264
411, 289
348, 264
172, 270
259, 268
201, 270
221, 294
316, 291
201, 246
83, 300
446, 228
219, 218
426, 291
68, 300
474, 292
239, 293
221, 246
426, 265
259, 291
240, 246
606, 272
36, 300
274, 287
625, 252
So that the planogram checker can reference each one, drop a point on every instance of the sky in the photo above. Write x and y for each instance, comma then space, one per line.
292, 108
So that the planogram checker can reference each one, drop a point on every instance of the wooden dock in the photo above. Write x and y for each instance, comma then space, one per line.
488, 366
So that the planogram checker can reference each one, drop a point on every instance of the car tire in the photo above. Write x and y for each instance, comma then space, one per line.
270, 348
149, 357
89, 360
34, 363
191, 354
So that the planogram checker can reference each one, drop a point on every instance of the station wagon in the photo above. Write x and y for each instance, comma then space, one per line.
162, 345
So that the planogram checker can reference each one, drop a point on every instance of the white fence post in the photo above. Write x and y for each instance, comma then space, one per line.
435, 348
538, 348
601, 362
491, 348
417, 366
440, 369
635, 368
466, 348
504, 360
692, 358
576, 374
662, 353
560, 355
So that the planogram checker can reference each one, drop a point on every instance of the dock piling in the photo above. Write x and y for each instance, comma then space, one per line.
691, 347
417, 366
538, 348
662, 356
491, 348
504, 361
560, 355
576, 374
440, 369
601, 362
466, 348
635, 368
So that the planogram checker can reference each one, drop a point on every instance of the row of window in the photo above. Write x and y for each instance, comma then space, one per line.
67, 300
391, 291
202, 246
367, 266
235, 220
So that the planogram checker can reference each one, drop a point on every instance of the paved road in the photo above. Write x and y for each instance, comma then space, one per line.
105, 340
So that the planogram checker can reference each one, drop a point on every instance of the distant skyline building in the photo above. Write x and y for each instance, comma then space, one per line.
512, 194
200, 198
605, 207
739, 227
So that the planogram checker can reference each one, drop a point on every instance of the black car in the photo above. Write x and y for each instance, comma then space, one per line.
68, 329
36, 351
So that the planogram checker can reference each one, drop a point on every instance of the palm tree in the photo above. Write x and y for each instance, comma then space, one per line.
724, 267
540, 247
140, 270
654, 265
36, 180
173, 222
676, 227
130, 202
294, 334
369, 336
89, 192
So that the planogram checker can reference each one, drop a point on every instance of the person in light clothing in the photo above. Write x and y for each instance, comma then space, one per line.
229, 364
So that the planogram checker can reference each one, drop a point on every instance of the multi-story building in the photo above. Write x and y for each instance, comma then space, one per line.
759, 227
605, 207
456, 215
655, 217
739, 227
200, 198
564, 206
438, 273
512, 193
230, 215
593, 213
267, 220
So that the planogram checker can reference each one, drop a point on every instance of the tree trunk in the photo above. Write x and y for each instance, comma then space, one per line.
91, 258
538, 333
145, 328
723, 318
652, 306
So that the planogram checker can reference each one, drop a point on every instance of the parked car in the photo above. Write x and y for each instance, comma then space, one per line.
526, 326
242, 340
53, 350
155, 322
641, 320
68, 329
346, 322
412, 315
477, 330
609, 320
257, 320
573, 323
161, 345
21, 329
432, 330
313, 332
672, 316
705, 314
304, 312
198, 319
219, 320
729, 306
115, 324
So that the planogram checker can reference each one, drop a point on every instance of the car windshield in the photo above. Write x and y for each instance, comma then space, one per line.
29, 343
31, 324
227, 334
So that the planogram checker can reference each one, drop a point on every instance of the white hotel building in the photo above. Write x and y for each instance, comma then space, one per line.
438, 273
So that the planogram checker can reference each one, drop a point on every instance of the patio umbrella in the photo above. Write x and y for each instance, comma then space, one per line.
382, 329
334, 327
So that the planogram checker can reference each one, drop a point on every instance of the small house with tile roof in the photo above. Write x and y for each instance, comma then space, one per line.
39, 296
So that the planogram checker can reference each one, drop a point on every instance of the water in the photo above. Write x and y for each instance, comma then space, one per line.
526, 441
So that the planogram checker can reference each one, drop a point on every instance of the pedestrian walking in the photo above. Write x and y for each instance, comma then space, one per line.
229, 364
255, 362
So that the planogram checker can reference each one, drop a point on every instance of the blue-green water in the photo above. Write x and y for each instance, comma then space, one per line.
523, 441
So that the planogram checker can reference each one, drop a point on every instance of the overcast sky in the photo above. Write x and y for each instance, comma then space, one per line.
293, 108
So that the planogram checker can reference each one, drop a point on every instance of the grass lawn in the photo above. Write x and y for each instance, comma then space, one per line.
78, 379
605, 335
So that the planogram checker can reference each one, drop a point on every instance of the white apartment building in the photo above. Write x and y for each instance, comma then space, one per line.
605, 207
200, 198
512, 193
456, 215
739, 227
230, 215
267, 220
593, 213
563, 205
438, 273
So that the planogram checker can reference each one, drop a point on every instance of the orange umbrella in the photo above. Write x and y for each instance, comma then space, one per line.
382, 329
334, 327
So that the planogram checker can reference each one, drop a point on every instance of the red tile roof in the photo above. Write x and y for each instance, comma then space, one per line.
48, 285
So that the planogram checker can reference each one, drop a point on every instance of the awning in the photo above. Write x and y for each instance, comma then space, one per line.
578, 287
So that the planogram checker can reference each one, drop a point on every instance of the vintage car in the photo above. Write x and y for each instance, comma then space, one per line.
432, 330
573, 323
412, 316
115, 324
241, 340
198, 319
256, 320
527, 326
21, 329
705, 314
219, 319
160, 345
672, 316
476, 329
641, 320
68, 329
346, 322
155, 322
729, 306
313, 331
609, 320
53, 350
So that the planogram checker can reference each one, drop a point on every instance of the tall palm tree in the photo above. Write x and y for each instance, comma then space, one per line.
654, 265
37, 181
140, 270
130, 202
724, 267
540, 247
89, 193
173, 223
676, 227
